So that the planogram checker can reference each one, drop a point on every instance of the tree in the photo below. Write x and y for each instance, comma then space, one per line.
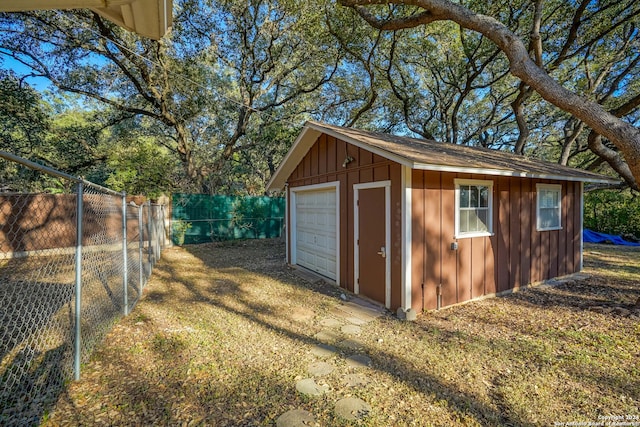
271, 59
24, 120
80, 53
228, 69
413, 13
31, 126
451, 85
141, 167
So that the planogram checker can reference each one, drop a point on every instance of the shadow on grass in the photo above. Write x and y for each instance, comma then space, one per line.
223, 282
402, 370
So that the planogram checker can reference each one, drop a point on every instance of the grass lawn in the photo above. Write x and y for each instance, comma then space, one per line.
224, 332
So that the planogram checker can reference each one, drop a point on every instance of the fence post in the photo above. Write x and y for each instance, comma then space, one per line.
77, 344
140, 246
149, 232
163, 222
125, 272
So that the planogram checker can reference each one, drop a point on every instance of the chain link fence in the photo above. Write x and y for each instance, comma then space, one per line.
74, 257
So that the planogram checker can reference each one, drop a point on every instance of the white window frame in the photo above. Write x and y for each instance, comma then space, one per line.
549, 187
477, 182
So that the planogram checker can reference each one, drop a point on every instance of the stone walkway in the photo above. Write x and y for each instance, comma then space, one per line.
346, 319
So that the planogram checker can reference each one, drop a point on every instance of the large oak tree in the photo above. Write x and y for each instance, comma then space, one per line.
526, 63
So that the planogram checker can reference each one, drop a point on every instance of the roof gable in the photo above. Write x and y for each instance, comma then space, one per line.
429, 155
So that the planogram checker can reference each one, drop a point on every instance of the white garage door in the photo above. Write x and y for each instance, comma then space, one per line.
316, 231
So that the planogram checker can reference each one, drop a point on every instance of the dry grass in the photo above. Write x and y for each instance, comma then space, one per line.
224, 331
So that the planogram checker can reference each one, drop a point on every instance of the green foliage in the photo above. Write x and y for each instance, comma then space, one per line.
225, 94
141, 167
180, 228
24, 119
613, 212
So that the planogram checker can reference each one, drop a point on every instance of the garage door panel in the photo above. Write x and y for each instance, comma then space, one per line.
316, 231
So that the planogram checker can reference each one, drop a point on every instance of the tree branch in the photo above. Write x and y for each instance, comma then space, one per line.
622, 134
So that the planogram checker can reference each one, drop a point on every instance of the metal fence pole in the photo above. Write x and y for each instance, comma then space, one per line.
140, 246
77, 344
125, 278
156, 234
149, 232
163, 217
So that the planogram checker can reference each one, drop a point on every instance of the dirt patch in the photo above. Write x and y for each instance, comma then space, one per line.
225, 331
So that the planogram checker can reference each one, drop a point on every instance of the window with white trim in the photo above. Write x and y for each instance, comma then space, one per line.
474, 212
549, 207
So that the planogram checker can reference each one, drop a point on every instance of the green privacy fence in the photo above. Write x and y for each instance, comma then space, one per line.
200, 218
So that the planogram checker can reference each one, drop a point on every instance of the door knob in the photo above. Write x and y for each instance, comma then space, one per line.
383, 252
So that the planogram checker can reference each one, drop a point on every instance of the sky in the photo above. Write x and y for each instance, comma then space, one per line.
38, 83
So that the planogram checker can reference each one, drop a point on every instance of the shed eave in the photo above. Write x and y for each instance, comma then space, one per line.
148, 18
513, 173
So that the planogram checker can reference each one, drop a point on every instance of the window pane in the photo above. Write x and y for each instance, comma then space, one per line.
549, 198
484, 197
464, 221
544, 199
473, 203
473, 220
483, 215
464, 196
549, 218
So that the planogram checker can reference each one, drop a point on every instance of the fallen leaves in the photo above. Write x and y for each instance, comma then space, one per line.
226, 329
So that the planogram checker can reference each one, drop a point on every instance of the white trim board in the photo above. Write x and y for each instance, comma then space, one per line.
387, 238
504, 172
406, 236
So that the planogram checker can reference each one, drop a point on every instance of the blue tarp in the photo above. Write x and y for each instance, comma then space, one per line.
595, 237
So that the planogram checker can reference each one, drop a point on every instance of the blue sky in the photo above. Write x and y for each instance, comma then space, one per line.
39, 83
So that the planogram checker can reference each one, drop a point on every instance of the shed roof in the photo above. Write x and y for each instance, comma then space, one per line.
429, 155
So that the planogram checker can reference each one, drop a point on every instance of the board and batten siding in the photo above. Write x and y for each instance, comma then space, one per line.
517, 254
324, 163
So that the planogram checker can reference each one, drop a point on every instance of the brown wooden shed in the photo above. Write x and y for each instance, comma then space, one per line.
419, 224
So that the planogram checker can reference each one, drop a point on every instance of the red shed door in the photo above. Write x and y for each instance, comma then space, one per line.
371, 244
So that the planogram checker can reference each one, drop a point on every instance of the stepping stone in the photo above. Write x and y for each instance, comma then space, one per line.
295, 418
351, 330
359, 361
352, 409
327, 335
359, 309
309, 387
356, 321
330, 322
302, 314
351, 345
320, 369
355, 380
324, 350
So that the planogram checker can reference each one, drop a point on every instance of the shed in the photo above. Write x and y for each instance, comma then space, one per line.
418, 224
